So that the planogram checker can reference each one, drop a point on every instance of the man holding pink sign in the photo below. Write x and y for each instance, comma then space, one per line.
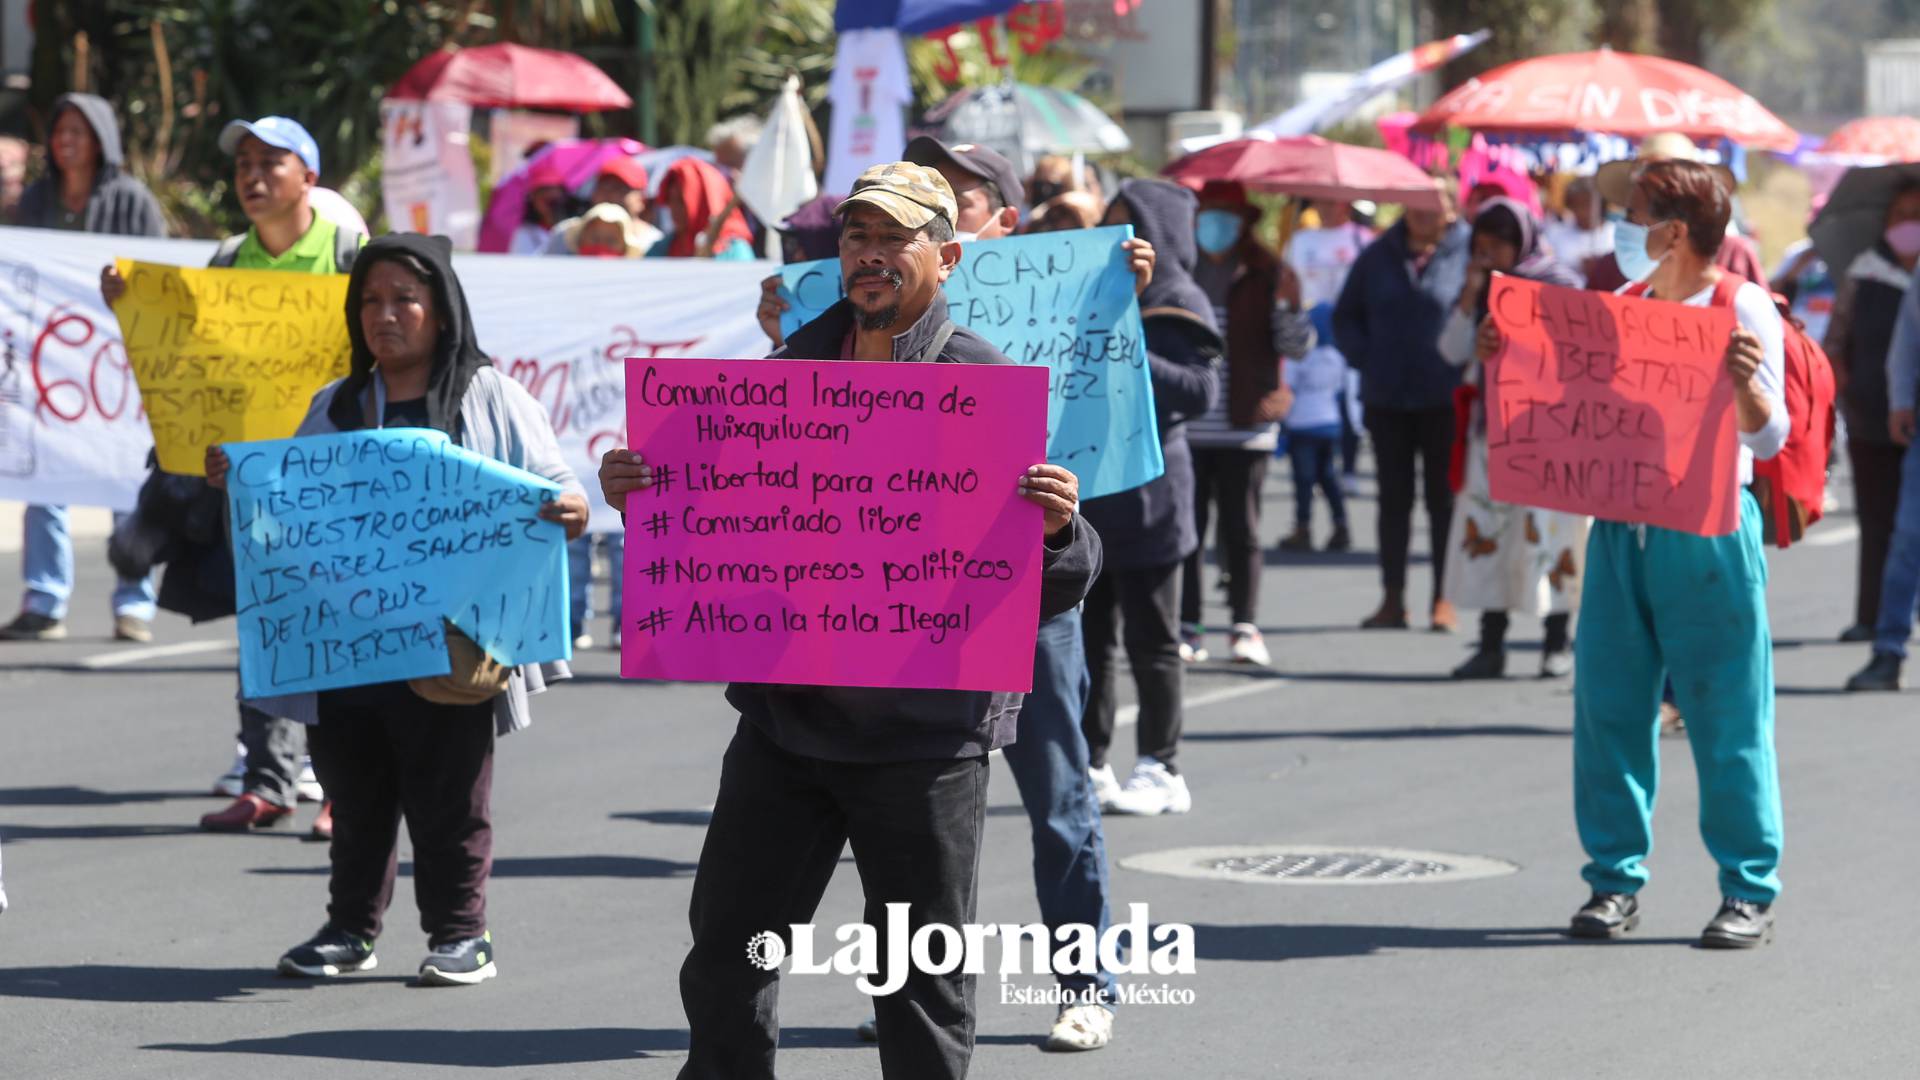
874, 759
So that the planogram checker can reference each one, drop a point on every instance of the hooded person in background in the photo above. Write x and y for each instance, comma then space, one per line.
1507, 558
696, 195
1386, 324
1256, 299
1149, 530
622, 183
85, 190
383, 751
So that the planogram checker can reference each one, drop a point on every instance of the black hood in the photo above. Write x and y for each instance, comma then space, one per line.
456, 354
1163, 216
99, 116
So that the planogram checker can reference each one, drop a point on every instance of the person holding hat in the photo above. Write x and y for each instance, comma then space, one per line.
1256, 302
900, 774
276, 164
88, 189
1615, 181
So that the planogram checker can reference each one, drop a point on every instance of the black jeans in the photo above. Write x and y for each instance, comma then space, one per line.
384, 752
1876, 495
778, 826
1402, 437
1232, 480
1140, 606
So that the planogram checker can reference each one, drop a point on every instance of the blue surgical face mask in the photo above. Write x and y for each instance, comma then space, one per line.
1216, 231
1630, 251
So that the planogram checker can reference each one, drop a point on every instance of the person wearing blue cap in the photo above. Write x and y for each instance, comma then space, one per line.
276, 164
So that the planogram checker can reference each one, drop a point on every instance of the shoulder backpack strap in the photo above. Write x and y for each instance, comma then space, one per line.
228, 251
1726, 289
1636, 288
346, 248
940, 339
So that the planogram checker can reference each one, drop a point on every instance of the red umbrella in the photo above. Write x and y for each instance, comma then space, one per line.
1608, 93
1310, 167
1875, 139
511, 77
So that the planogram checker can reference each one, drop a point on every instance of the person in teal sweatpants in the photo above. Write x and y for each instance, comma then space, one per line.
1657, 602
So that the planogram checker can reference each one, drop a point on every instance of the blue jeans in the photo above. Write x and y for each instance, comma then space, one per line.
46, 562
1312, 451
580, 576
1660, 603
1900, 581
1049, 764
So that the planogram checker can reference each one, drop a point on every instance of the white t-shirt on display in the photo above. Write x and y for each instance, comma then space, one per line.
870, 91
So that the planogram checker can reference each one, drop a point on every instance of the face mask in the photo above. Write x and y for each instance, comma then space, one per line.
1217, 231
1630, 251
966, 237
1904, 239
602, 251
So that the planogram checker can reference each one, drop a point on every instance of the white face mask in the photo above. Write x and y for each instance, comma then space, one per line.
966, 237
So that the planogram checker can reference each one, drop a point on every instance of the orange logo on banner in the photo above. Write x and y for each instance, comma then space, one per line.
1612, 406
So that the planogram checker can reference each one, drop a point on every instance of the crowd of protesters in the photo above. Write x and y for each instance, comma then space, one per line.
1256, 350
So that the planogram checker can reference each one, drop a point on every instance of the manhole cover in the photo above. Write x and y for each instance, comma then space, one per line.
1313, 864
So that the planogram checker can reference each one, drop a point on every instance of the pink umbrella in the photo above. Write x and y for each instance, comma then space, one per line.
508, 76
1310, 167
578, 161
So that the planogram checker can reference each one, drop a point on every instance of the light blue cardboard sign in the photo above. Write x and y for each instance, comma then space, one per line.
1062, 299
349, 550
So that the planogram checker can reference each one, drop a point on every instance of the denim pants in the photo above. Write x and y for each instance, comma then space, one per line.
1049, 765
1660, 603
46, 563
1312, 453
273, 745
779, 824
1900, 582
580, 576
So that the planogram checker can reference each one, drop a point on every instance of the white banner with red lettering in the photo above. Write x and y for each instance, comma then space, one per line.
72, 430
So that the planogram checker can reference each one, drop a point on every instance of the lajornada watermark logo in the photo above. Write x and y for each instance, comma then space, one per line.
1133, 947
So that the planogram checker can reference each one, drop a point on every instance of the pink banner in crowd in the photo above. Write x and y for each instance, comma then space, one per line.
834, 524
1613, 406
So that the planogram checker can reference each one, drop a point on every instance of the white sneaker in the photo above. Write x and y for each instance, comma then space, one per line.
1249, 647
1193, 647
583, 642
1153, 790
234, 780
308, 785
1106, 786
1081, 1027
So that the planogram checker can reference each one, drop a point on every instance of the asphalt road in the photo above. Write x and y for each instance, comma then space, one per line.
138, 947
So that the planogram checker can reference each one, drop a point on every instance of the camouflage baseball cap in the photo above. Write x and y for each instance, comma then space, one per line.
909, 194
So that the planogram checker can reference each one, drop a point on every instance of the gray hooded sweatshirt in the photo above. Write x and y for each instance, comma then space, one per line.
119, 204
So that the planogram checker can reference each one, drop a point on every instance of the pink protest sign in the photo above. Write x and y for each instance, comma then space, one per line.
834, 524
1612, 406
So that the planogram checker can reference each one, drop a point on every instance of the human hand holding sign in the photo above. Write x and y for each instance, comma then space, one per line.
1054, 490
623, 471
1140, 259
568, 511
1743, 359
217, 465
1487, 343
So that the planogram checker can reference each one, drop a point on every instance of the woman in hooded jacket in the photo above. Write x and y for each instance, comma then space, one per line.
1507, 558
382, 751
86, 189
1149, 531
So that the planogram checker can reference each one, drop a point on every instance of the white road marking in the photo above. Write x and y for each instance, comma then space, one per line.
1131, 713
1844, 534
122, 657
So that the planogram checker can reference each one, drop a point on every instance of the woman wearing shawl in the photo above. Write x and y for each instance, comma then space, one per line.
696, 195
1508, 558
382, 751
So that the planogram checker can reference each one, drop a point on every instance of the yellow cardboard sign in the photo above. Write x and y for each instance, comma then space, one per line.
228, 355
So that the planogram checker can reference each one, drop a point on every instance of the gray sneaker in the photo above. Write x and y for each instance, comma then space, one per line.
459, 963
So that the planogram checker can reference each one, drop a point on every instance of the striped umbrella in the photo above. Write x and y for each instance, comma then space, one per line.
1023, 122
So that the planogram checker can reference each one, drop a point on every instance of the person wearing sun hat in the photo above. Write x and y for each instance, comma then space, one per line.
901, 774
1615, 181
